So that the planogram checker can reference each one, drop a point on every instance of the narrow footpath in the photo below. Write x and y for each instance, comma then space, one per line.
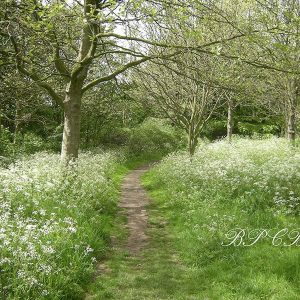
134, 200
143, 264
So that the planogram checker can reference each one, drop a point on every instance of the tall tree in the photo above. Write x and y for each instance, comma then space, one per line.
74, 36
70, 47
183, 90
77, 37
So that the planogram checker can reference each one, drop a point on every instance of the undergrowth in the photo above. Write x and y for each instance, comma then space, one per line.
55, 223
250, 185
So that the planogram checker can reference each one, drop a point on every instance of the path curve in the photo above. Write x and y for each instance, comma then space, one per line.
134, 201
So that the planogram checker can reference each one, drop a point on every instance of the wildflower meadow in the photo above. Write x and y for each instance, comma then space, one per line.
249, 186
55, 223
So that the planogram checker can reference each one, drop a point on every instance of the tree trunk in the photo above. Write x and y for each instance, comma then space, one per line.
87, 135
71, 132
192, 146
230, 120
291, 130
192, 141
17, 122
72, 101
293, 94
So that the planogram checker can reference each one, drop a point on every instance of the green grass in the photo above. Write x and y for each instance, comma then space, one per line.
194, 204
250, 184
154, 274
201, 209
215, 272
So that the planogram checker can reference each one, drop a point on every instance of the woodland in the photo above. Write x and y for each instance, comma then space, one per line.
105, 104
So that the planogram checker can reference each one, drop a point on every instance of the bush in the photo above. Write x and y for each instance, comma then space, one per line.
116, 136
249, 129
154, 137
215, 129
26, 144
54, 140
32, 143
54, 223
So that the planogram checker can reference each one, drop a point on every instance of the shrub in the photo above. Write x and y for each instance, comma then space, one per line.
6, 145
215, 129
25, 144
32, 143
249, 129
116, 136
154, 136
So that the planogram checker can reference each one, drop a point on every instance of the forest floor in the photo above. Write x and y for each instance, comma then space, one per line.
143, 263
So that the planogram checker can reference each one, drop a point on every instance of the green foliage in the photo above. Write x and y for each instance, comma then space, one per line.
152, 137
117, 136
32, 143
251, 184
246, 128
55, 222
6, 147
215, 129
12, 148
54, 139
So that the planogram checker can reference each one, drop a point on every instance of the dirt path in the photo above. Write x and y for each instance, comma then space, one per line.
134, 200
152, 270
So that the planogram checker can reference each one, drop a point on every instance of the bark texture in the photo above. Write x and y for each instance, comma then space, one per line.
74, 90
293, 99
230, 120
71, 132
192, 140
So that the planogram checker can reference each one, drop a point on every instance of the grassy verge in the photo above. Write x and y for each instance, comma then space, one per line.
251, 185
55, 224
